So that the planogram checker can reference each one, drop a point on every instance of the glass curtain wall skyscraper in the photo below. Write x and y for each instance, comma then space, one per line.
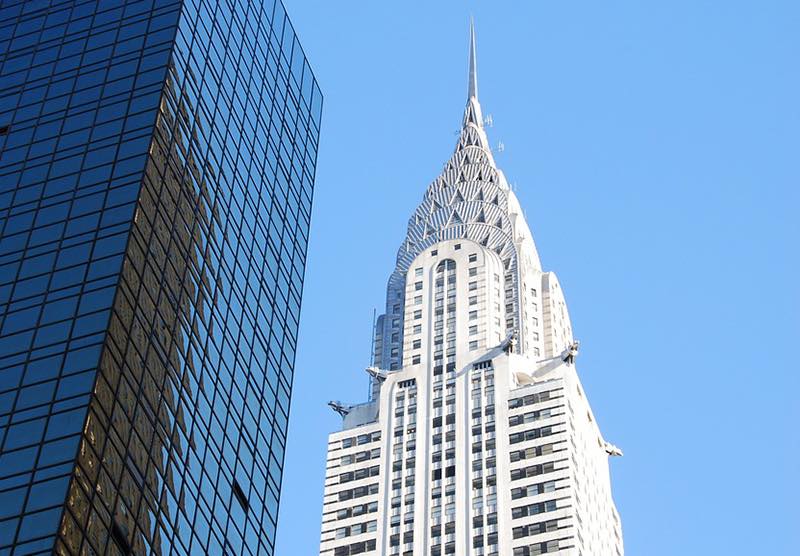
157, 162
478, 438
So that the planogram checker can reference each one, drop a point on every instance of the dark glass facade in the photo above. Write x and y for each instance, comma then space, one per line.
156, 174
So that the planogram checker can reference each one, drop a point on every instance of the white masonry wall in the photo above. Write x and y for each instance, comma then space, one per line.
472, 450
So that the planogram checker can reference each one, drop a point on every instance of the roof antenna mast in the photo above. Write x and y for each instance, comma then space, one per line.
473, 63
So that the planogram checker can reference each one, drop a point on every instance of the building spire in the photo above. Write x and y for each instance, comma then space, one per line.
473, 69
472, 113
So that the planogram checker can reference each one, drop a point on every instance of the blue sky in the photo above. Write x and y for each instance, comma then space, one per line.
654, 147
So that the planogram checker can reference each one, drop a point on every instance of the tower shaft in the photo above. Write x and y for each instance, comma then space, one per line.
478, 438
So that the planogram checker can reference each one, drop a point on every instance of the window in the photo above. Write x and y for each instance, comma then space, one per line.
417, 315
473, 329
417, 344
434, 253
473, 345
358, 492
355, 548
533, 471
473, 257
533, 509
120, 538
241, 497
531, 434
473, 300
418, 285
417, 329
473, 271
415, 360
418, 300
418, 272
473, 315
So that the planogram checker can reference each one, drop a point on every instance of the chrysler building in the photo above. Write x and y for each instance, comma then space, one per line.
478, 438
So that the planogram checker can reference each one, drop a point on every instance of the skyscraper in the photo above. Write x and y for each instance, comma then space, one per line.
478, 438
157, 161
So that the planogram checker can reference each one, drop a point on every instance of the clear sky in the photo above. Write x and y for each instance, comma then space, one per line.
655, 147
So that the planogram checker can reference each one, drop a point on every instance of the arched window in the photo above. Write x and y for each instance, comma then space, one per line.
447, 264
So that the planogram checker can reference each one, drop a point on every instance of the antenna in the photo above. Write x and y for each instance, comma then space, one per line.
488, 121
500, 147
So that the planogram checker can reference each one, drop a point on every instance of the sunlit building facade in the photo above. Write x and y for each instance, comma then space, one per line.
157, 162
478, 438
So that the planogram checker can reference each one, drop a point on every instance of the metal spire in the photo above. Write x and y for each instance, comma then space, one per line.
473, 69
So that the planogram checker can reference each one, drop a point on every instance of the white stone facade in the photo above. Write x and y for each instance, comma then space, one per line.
478, 439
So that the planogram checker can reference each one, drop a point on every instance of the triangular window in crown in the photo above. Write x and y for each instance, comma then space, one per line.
496, 200
429, 231
455, 219
435, 206
499, 223
461, 177
470, 115
481, 217
457, 198
479, 196
485, 241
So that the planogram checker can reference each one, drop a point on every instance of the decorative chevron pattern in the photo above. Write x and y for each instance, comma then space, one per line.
471, 199
468, 200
